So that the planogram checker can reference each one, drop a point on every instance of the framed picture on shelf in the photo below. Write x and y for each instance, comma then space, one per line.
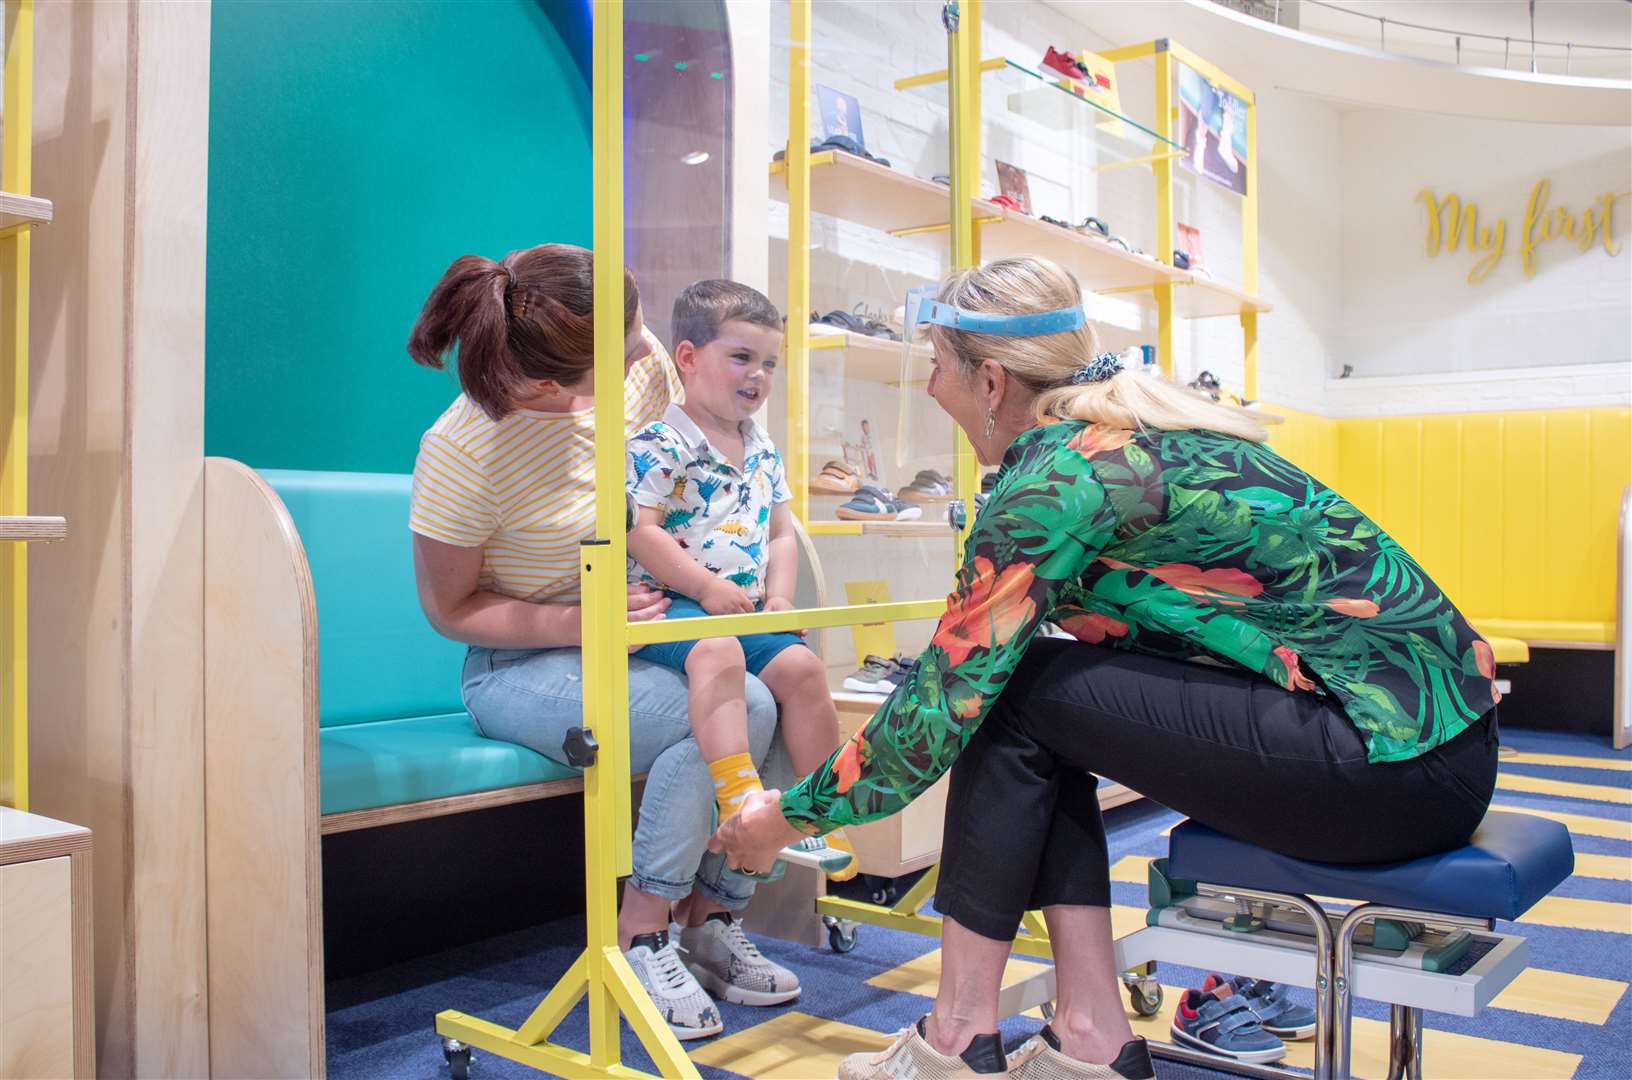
1213, 129
841, 115
1013, 182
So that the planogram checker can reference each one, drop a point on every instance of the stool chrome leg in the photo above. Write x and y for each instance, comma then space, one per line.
1404, 1043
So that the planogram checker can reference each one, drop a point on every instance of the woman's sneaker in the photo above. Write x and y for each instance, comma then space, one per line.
1270, 1002
690, 1012
729, 966
1226, 1027
1039, 1058
910, 1055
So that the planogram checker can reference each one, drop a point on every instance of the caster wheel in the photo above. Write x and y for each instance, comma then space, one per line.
841, 940
458, 1057
1146, 998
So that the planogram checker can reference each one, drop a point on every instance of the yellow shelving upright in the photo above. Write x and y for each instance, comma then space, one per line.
19, 213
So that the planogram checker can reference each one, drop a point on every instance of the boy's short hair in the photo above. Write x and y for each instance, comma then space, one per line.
704, 306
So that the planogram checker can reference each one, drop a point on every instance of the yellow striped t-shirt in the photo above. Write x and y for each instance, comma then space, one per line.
523, 489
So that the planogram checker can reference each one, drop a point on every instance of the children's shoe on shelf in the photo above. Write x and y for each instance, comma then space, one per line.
728, 965
836, 478
1039, 1058
871, 678
1270, 1002
928, 486
1065, 64
1225, 1027
955, 512
680, 1000
988, 481
910, 1055
872, 503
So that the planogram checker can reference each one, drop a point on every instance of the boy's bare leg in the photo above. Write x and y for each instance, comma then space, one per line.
716, 672
809, 722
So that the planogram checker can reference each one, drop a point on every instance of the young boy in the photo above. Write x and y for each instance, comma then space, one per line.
713, 529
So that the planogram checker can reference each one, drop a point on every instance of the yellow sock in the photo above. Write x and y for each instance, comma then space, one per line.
839, 842
735, 778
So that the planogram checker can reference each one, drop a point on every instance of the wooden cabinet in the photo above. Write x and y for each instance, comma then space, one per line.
47, 1022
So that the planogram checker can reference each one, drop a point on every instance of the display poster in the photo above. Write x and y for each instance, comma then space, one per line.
841, 115
1213, 130
1013, 182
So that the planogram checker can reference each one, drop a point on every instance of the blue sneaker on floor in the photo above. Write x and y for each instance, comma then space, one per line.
1225, 1027
1270, 1002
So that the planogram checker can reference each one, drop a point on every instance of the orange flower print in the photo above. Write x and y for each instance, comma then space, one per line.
847, 766
1359, 609
1093, 628
990, 610
1096, 439
965, 704
1485, 657
1226, 585
1295, 678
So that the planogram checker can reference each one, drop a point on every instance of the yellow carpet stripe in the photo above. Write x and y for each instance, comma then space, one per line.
1445, 1055
920, 975
1559, 994
1580, 824
1572, 760
1572, 913
1612, 867
1537, 785
792, 1046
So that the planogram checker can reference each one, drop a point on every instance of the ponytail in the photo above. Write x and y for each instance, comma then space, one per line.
528, 318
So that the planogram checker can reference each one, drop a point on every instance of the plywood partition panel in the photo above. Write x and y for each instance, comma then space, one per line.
263, 856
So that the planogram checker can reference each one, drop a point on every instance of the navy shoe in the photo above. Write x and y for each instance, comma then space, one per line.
1270, 1002
1227, 1028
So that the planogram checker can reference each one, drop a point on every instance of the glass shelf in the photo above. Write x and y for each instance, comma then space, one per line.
1052, 100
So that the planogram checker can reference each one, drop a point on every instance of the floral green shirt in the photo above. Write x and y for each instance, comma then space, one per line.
1175, 543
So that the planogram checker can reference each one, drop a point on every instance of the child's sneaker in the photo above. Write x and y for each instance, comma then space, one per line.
815, 851
1270, 1002
691, 1013
729, 966
910, 1055
872, 677
1039, 1058
1226, 1027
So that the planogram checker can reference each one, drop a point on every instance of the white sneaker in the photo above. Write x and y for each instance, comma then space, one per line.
729, 966
910, 1056
690, 1012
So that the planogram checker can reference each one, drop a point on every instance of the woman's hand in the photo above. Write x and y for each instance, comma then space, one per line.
754, 835
782, 603
645, 604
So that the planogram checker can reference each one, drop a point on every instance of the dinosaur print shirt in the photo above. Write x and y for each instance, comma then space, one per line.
1178, 544
719, 514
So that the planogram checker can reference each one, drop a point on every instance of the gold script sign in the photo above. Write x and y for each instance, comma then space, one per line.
1450, 219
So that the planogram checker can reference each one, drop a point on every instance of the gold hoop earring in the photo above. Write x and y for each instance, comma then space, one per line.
991, 422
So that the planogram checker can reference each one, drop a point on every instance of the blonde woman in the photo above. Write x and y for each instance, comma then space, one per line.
1349, 714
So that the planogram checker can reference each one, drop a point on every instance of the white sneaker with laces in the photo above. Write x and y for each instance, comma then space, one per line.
691, 1013
910, 1057
729, 966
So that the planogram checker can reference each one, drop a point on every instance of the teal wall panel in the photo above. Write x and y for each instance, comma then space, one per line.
355, 150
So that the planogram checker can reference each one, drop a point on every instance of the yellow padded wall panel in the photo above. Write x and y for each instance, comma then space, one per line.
1512, 513
1306, 440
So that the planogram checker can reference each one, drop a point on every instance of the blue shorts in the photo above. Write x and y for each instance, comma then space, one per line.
758, 650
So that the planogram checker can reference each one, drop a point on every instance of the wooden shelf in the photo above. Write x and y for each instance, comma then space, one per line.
920, 530
33, 528
866, 193
1203, 298
21, 211
1099, 265
870, 359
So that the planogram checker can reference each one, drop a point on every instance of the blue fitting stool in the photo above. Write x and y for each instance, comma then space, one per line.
1421, 936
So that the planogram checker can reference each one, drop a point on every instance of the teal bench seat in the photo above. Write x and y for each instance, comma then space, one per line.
392, 731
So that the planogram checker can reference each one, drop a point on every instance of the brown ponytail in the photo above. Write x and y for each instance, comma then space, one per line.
530, 317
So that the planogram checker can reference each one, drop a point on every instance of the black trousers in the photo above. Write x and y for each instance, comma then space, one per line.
1284, 771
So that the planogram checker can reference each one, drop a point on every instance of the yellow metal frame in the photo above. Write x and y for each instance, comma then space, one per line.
16, 177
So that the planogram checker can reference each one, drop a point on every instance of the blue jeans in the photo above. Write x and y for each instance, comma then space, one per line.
532, 696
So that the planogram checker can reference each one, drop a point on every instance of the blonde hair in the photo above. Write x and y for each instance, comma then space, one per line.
1044, 365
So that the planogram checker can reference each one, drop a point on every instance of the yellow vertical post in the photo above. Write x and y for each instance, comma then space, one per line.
605, 609
797, 343
16, 177
964, 129
1163, 167
1249, 258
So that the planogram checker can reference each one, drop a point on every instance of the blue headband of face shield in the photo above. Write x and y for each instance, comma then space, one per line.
922, 307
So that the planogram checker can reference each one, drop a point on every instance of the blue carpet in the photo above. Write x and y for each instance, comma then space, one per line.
379, 1025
